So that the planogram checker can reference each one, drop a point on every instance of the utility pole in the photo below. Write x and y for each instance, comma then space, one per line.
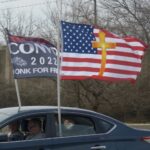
95, 12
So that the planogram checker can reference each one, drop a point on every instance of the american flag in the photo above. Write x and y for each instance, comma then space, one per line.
89, 52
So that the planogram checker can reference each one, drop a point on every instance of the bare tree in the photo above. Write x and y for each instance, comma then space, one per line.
131, 17
18, 24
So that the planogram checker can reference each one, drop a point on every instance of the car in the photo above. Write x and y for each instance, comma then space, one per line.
81, 130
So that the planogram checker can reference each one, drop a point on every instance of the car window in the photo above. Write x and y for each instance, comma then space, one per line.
73, 125
103, 126
27, 128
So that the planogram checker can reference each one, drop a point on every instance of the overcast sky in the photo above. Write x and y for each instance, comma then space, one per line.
27, 6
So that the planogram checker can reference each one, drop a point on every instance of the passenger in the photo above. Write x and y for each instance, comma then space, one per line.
69, 127
15, 134
68, 124
35, 131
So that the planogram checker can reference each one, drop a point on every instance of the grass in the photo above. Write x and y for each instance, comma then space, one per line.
140, 125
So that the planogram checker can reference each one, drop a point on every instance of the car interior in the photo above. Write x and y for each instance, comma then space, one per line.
23, 127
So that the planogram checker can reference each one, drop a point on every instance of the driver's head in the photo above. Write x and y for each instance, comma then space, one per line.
34, 126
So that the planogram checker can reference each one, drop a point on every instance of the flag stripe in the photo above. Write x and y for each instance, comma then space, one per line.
76, 69
98, 57
80, 69
96, 68
96, 77
106, 74
81, 64
66, 59
121, 71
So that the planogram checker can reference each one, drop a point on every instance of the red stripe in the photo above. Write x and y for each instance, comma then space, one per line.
20, 39
80, 69
133, 48
124, 45
108, 34
109, 79
121, 71
122, 54
74, 77
133, 39
134, 64
123, 63
97, 70
71, 59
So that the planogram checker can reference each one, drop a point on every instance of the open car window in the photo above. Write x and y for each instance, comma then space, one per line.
73, 125
27, 128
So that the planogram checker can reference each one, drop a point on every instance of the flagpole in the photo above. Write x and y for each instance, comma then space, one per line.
18, 94
58, 74
15, 80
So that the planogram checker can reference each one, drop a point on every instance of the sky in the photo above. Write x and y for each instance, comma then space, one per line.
26, 6
23, 6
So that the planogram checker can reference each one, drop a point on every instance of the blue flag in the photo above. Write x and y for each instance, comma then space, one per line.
32, 57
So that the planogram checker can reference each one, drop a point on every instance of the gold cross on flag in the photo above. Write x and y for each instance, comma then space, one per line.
103, 45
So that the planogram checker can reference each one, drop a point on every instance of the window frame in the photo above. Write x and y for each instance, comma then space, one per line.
77, 115
94, 119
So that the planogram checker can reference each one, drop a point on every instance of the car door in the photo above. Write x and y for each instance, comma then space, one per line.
83, 134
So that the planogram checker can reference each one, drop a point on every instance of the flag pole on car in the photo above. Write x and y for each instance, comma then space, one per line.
58, 68
15, 80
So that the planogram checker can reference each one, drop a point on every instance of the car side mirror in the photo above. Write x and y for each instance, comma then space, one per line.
3, 137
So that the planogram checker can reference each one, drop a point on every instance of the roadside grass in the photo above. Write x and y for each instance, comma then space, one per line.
139, 125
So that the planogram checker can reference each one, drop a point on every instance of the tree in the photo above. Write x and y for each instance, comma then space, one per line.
131, 17
18, 24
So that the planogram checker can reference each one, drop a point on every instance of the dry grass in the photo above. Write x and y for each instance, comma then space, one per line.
140, 126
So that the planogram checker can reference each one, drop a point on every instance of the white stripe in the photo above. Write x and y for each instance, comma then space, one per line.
81, 64
119, 40
127, 50
79, 55
123, 67
136, 43
123, 58
116, 75
96, 30
87, 73
78, 73
140, 53
112, 40
115, 40
98, 57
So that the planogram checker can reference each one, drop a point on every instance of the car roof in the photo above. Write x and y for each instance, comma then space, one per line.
13, 110
10, 111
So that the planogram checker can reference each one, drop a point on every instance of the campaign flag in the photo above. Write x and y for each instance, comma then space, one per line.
90, 52
32, 57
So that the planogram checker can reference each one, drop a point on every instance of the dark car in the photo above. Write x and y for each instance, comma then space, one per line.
81, 130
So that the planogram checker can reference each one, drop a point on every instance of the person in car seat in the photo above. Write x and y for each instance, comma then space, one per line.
35, 129
15, 134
